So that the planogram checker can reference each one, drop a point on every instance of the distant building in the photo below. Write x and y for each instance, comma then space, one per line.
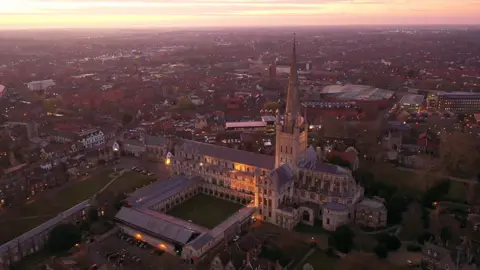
40, 85
91, 138
412, 102
459, 102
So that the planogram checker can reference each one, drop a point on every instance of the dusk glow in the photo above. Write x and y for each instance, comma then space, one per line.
151, 13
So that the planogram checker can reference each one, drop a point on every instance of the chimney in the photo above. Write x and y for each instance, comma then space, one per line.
248, 258
278, 266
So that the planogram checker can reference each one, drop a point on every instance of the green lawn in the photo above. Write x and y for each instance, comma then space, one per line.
411, 182
316, 229
19, 220
389, 174
129, 182
205, 210
321, 261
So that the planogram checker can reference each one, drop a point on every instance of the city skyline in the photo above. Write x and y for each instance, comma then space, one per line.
207, 13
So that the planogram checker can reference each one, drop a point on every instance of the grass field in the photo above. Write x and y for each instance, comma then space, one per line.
321, 261
19, 220
411, 182
205, 210
129, 181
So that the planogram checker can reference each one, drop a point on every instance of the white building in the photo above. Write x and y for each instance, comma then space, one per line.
91, 138
40, 85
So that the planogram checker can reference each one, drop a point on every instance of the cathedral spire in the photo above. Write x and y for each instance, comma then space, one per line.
293, 99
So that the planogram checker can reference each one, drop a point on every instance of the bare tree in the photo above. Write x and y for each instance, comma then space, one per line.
363, 261
459, 155
412, 221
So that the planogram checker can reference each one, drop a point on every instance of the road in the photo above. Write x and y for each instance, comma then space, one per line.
157, 168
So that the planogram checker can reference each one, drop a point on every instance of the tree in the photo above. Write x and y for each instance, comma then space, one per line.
93, 215
342, 239
364, 261
63, 237
436, 193
381, 251
459, 155
185, 103
340, 162
391, 242
411, 73
127, 118
396, 205
426, 236
412, 222
52, 104
272, 105
446, 234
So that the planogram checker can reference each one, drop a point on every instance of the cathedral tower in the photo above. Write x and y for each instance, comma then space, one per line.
292, 133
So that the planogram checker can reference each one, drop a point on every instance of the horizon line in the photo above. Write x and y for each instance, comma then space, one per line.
237, 27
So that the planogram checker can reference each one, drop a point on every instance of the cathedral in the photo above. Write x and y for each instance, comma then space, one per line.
295, 186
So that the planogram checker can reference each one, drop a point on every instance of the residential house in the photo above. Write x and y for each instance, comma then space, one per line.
91, 138
371, 213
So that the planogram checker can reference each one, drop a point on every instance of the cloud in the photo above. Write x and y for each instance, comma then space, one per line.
149, 6
227, 12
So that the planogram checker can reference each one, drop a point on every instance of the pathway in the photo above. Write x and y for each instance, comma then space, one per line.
300, 263
395, 227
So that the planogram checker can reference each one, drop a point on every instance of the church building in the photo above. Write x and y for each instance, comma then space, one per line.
295, 186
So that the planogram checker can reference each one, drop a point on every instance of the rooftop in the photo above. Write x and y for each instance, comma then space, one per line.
152, 194
247, 124
154, 223
230, 154
335, 206
357, 92
411, 99
371, 203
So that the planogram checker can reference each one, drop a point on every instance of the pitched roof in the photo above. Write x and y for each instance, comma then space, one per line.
153, 223
281, 176
152, 194
231, 154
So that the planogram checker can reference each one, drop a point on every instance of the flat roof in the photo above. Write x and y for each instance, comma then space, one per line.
371, 203
357, 92
246, 124
269, 118
154, 193
411, 99
335, 206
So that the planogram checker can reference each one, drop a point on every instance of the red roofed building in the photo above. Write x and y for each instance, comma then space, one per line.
350, 155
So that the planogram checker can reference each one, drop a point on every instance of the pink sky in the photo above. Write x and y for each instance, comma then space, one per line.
157, 13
